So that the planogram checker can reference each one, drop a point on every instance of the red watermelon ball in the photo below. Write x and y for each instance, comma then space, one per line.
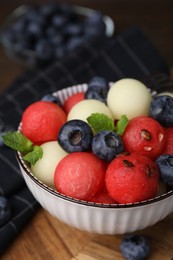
73, 100
41, 121
132, 178
80, 175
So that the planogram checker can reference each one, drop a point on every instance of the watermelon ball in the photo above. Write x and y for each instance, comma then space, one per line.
72, 100
41, 121
79, 175
102, 197
132, 178
144, 135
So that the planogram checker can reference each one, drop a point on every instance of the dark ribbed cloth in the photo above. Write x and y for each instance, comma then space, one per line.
129, 54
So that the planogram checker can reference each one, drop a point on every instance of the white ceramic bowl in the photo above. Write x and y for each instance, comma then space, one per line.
95, 217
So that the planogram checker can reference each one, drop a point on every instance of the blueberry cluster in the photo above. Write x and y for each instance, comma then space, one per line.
51, 30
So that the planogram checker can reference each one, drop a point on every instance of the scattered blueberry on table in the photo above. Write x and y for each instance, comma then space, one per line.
135, 247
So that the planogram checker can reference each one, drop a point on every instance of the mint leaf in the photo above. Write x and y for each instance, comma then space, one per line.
17, 141
121, 125
34, 156
100, 122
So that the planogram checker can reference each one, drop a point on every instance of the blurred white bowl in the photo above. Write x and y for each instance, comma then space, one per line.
96, 217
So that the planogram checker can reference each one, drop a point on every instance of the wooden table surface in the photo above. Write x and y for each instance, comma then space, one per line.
46, 237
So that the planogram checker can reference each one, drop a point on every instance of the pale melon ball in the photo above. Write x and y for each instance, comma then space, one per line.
44, 168
129, 97
83, 109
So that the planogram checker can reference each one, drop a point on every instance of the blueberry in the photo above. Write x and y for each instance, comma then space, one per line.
73, 43
56, 39
5, 210
75, 136
95, 20
34, 29
98, 88
73, 29
51, 98
165, 164
134, 247
161, 109
106, 145
59, 20
43, 50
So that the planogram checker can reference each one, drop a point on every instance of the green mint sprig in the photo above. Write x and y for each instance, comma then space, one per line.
17, 141
100, 122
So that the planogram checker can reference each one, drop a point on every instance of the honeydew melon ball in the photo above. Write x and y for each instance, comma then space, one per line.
44, 168
129, 97
83, 109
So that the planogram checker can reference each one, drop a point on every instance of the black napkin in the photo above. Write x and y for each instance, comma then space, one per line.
130, 54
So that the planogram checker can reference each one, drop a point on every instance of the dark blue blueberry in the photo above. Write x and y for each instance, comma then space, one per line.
48, 9
51, 98
73, 43
43, 50
106, 145
135, 247
161, 109
98, 88
59, 20
165, 164
73, 29
75, 136
95, 20
56, 39
34, 29
5, 210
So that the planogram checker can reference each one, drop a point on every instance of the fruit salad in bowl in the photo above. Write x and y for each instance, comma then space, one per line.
98, 156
